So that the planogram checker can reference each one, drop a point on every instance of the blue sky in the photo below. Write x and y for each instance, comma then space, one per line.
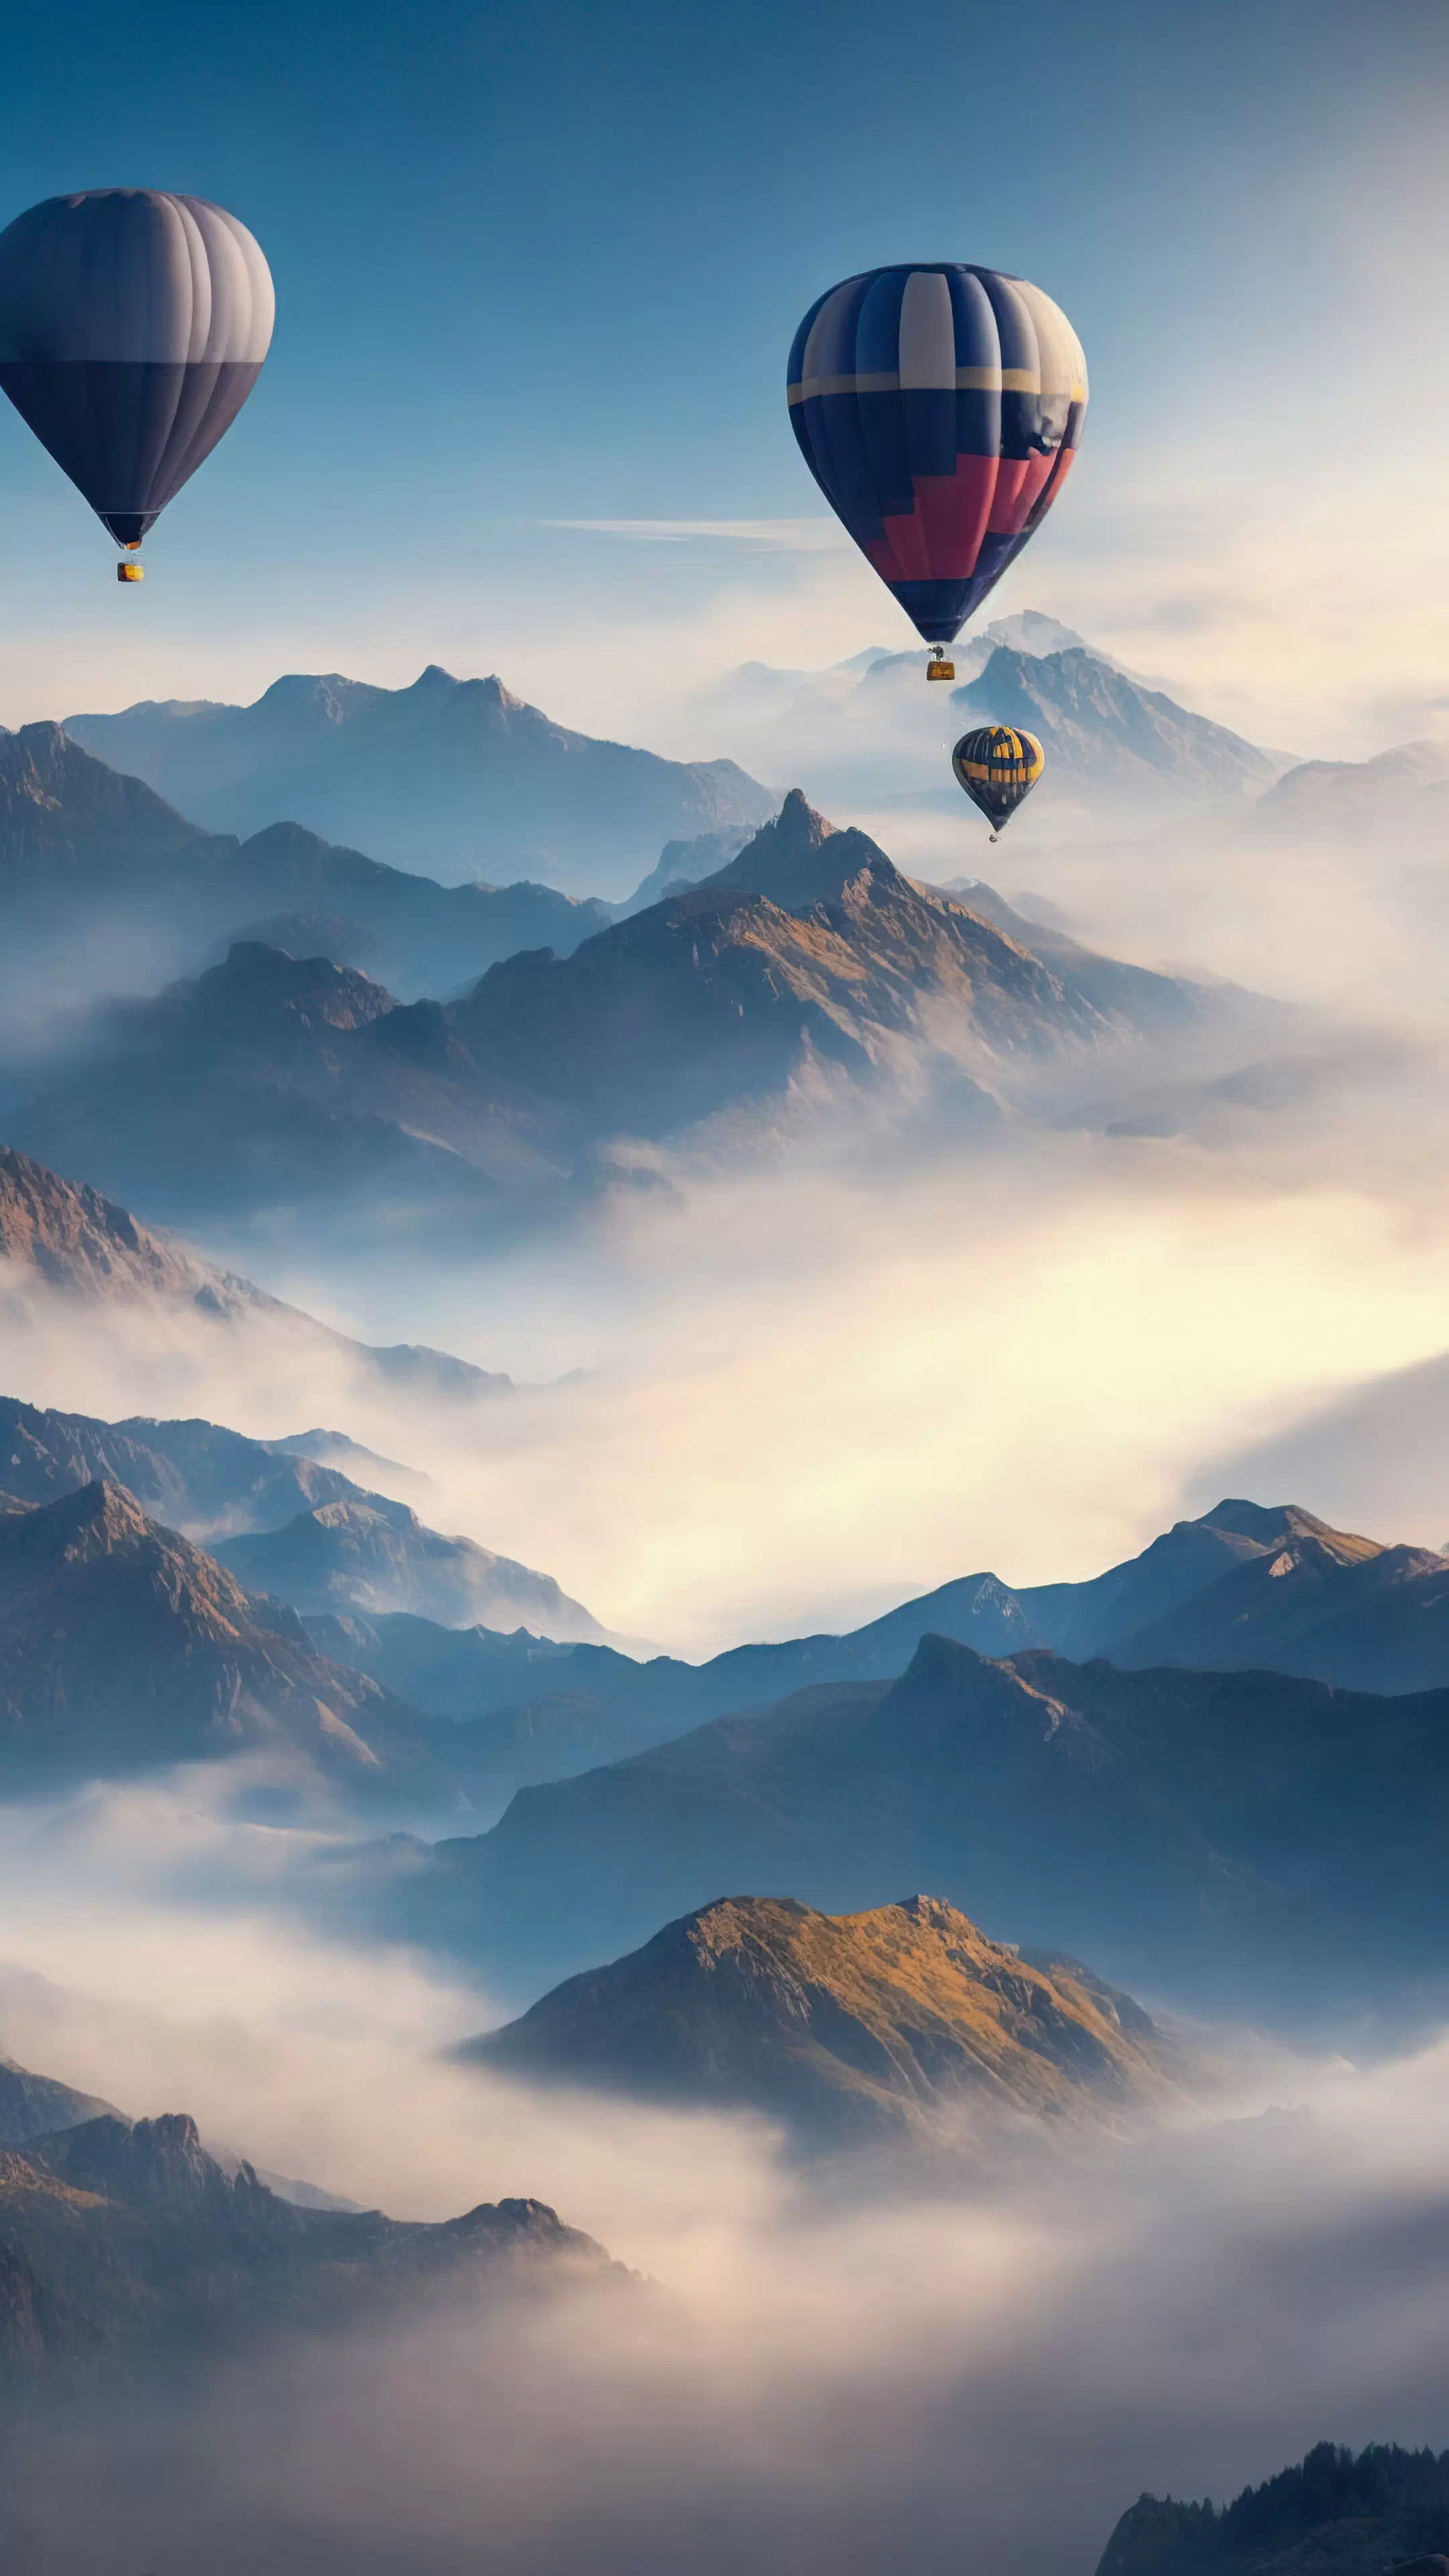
545, 265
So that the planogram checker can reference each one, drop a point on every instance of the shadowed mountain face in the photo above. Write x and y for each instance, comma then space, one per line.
70, 1239
457, 774
1216, 1835
124, 2241
1336, 2513
846, 2027
1098, 726
375, 1555
87, 853
123, 1648
275, 1079
308, 1532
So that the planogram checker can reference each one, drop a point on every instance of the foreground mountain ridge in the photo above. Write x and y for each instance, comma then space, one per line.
123, 2241
1346, 2514
874, 2025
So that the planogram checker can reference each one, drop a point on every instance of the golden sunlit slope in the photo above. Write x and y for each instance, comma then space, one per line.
843, 2025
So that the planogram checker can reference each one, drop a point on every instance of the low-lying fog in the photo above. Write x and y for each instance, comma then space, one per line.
987, 2371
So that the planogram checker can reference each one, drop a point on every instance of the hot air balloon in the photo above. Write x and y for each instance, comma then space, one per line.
939, 410
133, 325
998, 766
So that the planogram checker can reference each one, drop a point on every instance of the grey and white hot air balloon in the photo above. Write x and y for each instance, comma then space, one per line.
133, 325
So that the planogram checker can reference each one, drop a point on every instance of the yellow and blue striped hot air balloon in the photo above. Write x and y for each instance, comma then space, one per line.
939, 409
997, 766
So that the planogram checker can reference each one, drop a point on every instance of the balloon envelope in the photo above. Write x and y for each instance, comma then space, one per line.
998, 767
133, 325
938, 409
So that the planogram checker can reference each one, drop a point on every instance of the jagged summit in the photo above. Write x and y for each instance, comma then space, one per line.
801, 859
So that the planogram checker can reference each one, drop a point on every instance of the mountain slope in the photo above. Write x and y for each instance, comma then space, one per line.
1334, 2512
121, 2240
32, 2106
1221, 1834
457, 772
72, 1240
123, 1648
67, 818
843, 2026
1099, 727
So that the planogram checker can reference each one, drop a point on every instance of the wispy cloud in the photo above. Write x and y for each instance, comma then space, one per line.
779, 536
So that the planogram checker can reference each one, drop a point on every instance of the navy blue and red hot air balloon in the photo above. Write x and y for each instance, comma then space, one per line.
939, 409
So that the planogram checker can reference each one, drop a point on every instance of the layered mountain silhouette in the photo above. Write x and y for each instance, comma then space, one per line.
313, 1534
1406, 788
272, 1078
1222, 1835
459, 774
898, 2022
123, 2242
68, 1238
1348, 2515
97, 872
1244, 1586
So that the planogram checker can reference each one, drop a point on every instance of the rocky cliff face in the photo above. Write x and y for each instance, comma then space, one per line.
902, 2020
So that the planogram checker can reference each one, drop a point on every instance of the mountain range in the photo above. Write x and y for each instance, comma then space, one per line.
101, 878
275, 1080
459, 775
868, 731
1244, 1586
1100, 728
1335, 2512
903, 2021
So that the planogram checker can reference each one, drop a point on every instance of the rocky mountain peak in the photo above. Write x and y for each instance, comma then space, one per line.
76, 1239
143, 2160
800, 859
